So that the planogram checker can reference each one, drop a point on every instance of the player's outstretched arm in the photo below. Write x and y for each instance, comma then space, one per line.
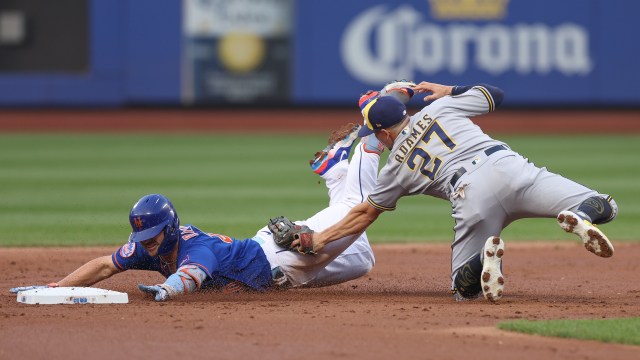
437, 91
186, 279
86, 275
470, 100
90, 273
355, 222
497, 94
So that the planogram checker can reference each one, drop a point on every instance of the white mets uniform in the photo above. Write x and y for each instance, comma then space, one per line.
349, 183
442, 153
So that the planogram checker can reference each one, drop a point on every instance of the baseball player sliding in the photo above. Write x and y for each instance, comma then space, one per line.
191, 259
440, 152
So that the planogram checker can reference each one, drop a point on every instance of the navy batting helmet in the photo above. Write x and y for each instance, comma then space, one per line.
151, 215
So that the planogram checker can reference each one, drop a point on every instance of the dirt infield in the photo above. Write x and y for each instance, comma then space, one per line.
402, 310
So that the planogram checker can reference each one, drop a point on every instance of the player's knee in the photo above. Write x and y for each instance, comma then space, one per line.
371, 259
366, 265
369, 265
600, 209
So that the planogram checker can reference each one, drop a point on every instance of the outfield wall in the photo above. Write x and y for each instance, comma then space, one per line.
133, 49
288, 52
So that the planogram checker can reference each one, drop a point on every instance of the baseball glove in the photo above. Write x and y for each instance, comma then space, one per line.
286, 232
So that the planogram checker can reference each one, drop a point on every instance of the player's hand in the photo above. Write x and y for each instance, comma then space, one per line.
158, 292
317, 245
437, 91
16, 290
306, 244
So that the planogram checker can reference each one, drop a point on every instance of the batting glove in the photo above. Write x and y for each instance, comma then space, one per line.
16, 290
155, 290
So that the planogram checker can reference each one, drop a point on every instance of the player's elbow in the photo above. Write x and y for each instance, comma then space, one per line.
498, 96
105, 267
496, 93
364, 266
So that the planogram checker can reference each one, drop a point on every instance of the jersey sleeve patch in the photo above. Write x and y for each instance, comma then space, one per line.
128, 249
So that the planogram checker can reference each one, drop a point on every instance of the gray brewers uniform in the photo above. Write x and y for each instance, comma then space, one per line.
442, 153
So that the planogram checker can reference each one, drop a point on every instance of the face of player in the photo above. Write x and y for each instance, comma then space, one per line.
384, 136
152, 245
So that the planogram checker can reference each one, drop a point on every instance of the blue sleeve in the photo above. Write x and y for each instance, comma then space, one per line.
496, 93
133, 256
200, 255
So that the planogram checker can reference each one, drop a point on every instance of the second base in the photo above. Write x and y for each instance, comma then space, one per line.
72, 295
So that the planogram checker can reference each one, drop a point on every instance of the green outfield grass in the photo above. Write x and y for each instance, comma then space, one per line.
622, 331
78, 189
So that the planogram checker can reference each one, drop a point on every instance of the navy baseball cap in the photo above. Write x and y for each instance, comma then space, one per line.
381, 113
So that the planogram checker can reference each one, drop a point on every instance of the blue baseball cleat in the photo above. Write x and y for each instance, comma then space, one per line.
339, 148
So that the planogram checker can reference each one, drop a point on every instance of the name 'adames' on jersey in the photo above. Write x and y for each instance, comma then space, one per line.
432, 147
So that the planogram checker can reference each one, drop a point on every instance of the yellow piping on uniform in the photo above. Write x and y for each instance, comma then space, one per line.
379, 207
489, 98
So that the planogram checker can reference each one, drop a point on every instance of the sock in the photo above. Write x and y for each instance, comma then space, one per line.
598, 209
467, 280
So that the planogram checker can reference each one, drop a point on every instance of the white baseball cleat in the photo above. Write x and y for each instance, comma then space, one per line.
594, 240
404, 86
492, 280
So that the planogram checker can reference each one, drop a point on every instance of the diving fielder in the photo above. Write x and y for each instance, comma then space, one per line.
440, 152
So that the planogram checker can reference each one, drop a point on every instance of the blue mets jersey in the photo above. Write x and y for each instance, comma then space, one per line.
222, 258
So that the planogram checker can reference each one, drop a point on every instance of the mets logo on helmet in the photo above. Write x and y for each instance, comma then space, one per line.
138, 222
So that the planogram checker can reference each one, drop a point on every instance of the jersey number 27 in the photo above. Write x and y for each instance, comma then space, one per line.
421, 156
